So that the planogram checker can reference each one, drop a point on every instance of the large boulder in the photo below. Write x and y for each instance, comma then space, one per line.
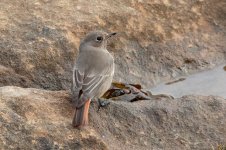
39, 119
157, 39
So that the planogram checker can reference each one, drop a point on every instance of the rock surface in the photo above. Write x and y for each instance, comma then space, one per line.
158, 39
40, 119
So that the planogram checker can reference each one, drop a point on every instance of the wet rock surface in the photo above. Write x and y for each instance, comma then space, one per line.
210, 82
40, 119
157, 40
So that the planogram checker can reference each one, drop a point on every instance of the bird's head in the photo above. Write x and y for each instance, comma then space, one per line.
97, 39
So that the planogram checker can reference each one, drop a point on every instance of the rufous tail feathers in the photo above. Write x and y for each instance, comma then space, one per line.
81, 115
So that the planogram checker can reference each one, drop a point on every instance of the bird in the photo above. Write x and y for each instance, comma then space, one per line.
93, 73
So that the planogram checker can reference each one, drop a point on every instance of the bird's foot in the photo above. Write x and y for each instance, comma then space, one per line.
102, 103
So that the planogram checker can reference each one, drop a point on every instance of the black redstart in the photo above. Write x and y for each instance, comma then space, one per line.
92, 74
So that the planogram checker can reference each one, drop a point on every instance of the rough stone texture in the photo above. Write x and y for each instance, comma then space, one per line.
158, 39
39, 119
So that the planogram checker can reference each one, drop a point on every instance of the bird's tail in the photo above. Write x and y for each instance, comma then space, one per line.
81, 115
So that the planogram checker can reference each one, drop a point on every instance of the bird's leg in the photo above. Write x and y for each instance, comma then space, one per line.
102, 103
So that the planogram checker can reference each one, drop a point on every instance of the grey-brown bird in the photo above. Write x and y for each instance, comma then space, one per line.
92, 74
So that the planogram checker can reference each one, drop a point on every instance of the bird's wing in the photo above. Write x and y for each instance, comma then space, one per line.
93, 82
90, 81
78, 77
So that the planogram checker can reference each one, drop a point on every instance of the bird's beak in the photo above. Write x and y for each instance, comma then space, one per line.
110, 35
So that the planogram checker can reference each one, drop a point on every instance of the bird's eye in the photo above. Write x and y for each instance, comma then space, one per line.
99, 38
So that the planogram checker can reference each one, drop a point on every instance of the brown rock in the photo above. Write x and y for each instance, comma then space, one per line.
39, 119
158, 39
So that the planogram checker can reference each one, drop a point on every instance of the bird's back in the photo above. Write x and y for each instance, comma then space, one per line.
94, 60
